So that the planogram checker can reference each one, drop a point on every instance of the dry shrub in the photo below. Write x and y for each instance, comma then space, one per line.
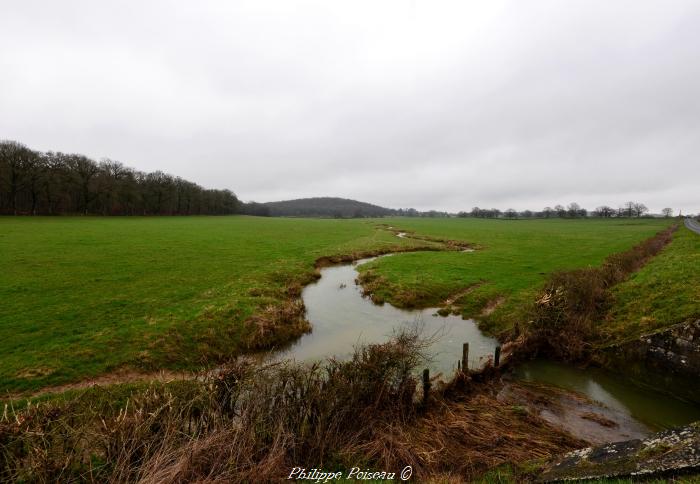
619, 266
562, 319
562, 316
243, 423
287, 415
252, 423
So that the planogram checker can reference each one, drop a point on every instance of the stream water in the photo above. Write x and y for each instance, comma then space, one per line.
655, 410
342, 318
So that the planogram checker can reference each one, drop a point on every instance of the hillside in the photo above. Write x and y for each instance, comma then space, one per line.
325, 207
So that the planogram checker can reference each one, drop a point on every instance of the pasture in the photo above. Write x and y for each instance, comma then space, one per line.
85, 296
511, 262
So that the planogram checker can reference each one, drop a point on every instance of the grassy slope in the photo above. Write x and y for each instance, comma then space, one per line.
665, 291
81, 296
513, 261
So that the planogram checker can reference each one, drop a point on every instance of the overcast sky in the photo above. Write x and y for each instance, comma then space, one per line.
432, 105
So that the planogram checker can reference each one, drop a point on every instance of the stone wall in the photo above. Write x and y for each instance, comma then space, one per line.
667, 359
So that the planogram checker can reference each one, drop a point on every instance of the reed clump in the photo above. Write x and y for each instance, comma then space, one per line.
277, 324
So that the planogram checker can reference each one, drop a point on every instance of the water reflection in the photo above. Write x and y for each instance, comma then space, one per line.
656, 410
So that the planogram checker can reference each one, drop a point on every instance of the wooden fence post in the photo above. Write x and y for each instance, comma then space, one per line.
465, 357
426, 386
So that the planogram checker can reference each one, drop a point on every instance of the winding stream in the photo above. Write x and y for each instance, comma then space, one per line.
341, 319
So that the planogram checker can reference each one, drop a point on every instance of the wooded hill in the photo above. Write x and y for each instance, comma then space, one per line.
318, 207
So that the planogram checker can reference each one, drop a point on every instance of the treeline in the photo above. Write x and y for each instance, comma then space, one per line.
573, 210
53, 183
412, 212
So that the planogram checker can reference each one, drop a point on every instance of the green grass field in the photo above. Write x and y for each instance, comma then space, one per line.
512, 263
85, 296
670, 285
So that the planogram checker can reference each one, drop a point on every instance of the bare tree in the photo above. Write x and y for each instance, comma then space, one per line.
16, 159
640, 209
573, 209
83, 170
667, 212
604, 211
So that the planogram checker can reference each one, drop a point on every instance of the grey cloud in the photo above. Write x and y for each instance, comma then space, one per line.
440, 105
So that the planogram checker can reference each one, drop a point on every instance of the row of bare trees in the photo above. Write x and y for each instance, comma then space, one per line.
573, 210
32, 182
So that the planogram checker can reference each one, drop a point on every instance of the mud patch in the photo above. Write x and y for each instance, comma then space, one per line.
459, 295
114, 378
574, 412
492, 305
35, 372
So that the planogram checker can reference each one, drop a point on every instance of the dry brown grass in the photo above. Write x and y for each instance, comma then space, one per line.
276, 324
244, 422
599, 419
248, 422
469, 437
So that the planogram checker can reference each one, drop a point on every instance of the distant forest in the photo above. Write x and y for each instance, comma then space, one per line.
51, 183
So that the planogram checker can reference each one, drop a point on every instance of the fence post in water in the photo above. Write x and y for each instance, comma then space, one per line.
465, 357
426, 386
497, 357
